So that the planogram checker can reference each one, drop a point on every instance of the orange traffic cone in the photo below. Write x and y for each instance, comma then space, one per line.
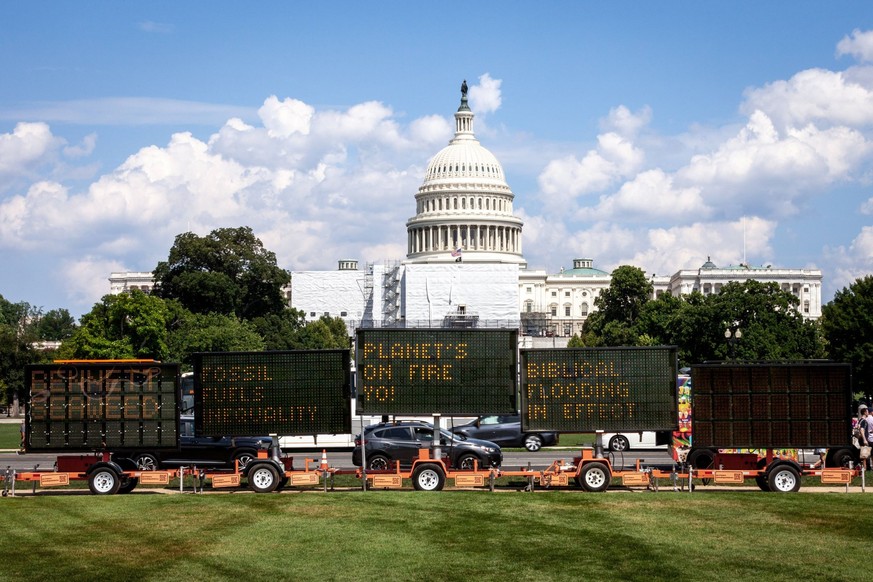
324, 459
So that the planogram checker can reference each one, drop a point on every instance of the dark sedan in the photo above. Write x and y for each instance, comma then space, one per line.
402, 441
506, 432
199, 451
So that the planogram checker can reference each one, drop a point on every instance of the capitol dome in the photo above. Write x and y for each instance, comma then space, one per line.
464, 206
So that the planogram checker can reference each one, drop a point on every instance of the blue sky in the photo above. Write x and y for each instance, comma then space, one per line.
643, 133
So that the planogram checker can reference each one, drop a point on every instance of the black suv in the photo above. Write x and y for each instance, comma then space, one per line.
506, 432
199, 451
401, 441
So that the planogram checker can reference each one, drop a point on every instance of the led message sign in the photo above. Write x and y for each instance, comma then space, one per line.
89, 406
288, 393
762, 406
436, 371
591, 389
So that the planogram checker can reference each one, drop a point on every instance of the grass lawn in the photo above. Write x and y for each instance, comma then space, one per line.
451, 535
10, 435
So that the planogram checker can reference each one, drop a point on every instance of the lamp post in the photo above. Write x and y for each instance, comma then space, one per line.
732, 334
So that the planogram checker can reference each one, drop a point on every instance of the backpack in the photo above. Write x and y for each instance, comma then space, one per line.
859, 428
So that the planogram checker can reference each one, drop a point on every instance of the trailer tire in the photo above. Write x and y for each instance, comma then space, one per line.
104, 481
763, 483
428, 477
783, 479
701, 458
840, 458
594, 477
263, 478
128, 484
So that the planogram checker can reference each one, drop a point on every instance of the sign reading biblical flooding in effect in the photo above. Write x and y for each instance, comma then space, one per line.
288, 393
436, 371
591, 389
91, 406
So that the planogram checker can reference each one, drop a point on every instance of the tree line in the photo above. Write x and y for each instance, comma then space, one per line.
224, 292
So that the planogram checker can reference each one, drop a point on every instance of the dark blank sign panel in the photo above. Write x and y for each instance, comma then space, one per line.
763, 406
437, 371
94, 406
287, 393
591, 389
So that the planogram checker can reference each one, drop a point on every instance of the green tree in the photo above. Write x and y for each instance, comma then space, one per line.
55, 325
324, 333
211, 332
619, 307
771, 325
228, 271
847, 325
576, 342
128, 325
280, 330
16, 341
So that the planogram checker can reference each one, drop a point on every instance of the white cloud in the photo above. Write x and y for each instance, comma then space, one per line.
813, 96
86, 148
622, 121
29, 145
858, 45
128, 111
485, 97
564, 179
651, 195
852, 262
285, 118
85, 280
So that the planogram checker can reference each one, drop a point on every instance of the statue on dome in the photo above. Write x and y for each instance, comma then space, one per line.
464, 88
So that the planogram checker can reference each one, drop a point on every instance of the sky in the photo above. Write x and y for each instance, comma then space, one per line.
653, 134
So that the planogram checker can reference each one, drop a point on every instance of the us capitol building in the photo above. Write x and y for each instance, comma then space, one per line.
464, 265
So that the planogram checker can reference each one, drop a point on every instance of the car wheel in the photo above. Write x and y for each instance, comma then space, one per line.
533, 442
784, 479
146, 462
263, 478
428, 478
243, 459
128, 484
619, 443
467, 462
379, 463
104, 481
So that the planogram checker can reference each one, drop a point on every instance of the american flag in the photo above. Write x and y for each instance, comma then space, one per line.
456, 252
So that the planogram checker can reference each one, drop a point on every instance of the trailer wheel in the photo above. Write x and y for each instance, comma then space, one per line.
104, 481
595, 477
840, 458
128, 484
428, 478
784, 479
263, 478
762, 483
